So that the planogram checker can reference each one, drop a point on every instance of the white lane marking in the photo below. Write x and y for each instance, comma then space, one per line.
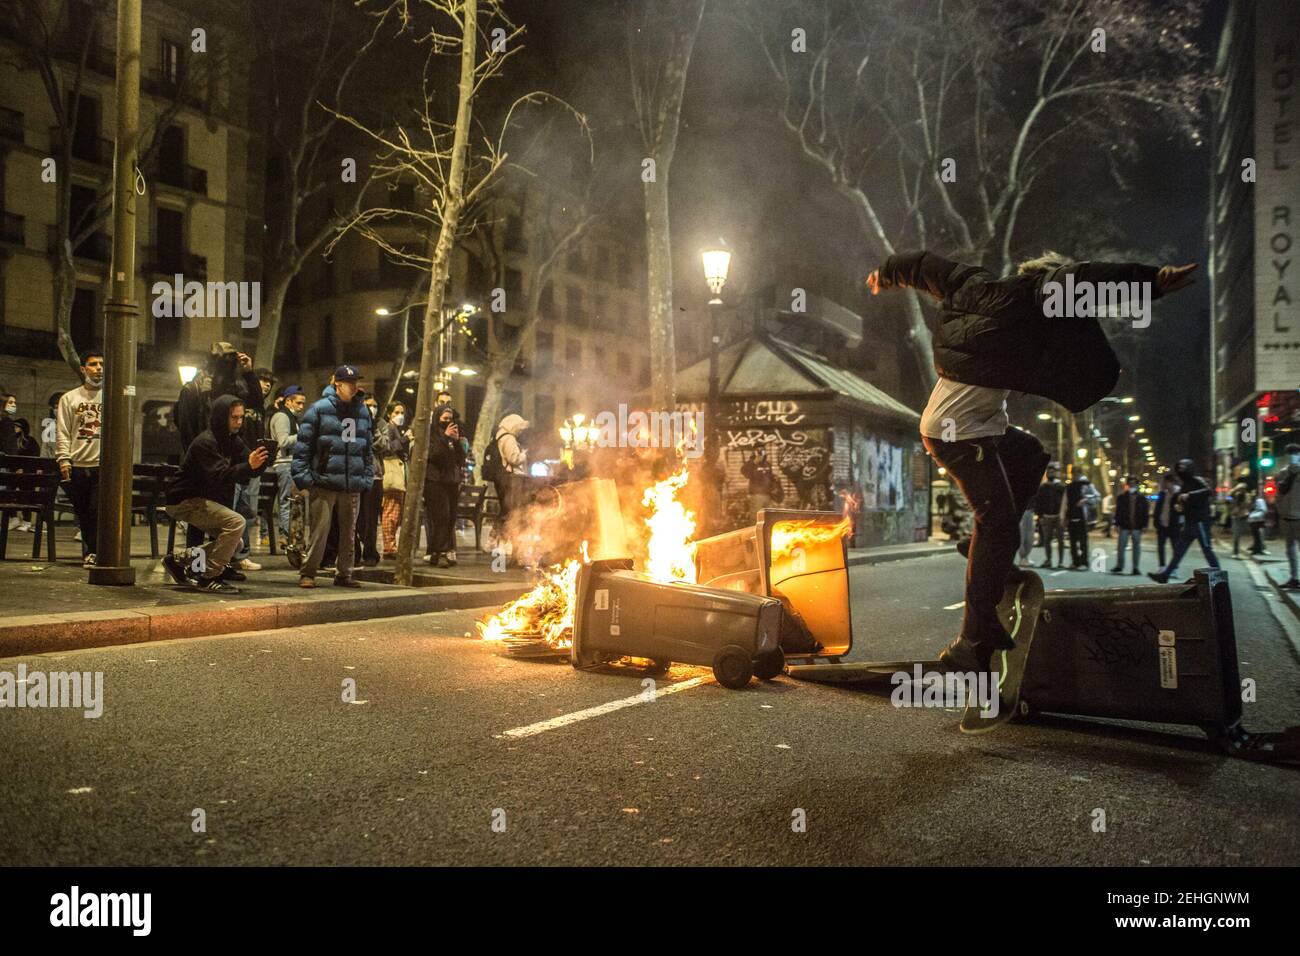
565, 719
1276, 606
953, 607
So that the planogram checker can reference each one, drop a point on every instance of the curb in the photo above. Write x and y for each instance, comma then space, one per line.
886, 556
46, 633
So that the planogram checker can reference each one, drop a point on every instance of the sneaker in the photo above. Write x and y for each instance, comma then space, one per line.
964, 656
431, 559
1292, 585
451, 559
172, 565
14, 522
77, 536
346, 583
27, 527
215, 586
1135, 571
306, 582
371, 561
249, 565
88, 561
1116, 570
232, 573
1158, 576
1046, 564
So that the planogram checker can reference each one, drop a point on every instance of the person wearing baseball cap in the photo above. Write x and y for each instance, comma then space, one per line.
333, 462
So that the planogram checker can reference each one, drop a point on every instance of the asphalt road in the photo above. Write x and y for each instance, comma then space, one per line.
252, 729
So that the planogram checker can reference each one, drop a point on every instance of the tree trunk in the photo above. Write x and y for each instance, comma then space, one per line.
268, 334
659, 293
494, 391
452, 202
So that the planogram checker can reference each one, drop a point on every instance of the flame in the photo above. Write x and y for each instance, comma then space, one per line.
788, 535
671, 548
546, 610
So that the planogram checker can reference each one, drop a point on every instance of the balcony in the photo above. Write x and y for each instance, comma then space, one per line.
90, 149
11, 125
183, 177
12, 229
97, 247
158, 82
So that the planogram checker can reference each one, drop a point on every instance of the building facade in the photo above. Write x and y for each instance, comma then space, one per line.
1253, 233
197, 216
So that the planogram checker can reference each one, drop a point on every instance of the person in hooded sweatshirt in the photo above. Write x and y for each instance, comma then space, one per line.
514, 465
201, 495
1195, 502
999, 334
333, 462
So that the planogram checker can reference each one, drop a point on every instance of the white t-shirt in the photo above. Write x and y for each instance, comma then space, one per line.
958, 412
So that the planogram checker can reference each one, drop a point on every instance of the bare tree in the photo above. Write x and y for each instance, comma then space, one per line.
63, 54
304, 141
917, 111
436, 153
660, 38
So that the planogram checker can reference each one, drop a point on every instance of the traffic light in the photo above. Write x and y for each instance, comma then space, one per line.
1266, 453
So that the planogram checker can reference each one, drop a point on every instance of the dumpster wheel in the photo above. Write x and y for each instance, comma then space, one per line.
769, 665
733, 667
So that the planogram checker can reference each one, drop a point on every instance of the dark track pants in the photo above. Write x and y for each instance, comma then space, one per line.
999, 476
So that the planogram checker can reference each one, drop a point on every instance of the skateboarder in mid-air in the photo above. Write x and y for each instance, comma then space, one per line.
995, 336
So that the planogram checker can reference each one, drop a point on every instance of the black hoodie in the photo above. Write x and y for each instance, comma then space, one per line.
215, 462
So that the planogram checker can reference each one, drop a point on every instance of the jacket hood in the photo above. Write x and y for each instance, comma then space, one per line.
219, 420
512, 424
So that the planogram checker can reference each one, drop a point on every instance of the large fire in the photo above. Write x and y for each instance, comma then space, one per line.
546, 612
671, 552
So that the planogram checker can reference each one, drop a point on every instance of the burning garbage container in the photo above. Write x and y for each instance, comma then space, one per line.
800, 558
622, 613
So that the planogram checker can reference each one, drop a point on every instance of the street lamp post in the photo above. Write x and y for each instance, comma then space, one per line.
717, 262
117, 447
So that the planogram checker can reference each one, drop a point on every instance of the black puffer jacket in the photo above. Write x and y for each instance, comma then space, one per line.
215, 462
992, 332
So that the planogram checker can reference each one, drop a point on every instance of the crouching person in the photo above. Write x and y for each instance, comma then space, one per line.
200, 495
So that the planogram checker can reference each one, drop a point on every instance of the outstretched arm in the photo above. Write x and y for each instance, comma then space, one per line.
917, 270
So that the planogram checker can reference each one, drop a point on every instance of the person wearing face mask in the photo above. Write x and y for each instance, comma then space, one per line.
333, 462
371, 502
1195, 502
1288, 511
282, 428
393, 446
442, 485
16, 439
78, 423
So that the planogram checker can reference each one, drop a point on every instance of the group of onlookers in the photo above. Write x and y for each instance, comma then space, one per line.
340, 469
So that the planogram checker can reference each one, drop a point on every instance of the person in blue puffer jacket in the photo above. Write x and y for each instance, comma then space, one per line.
333, 463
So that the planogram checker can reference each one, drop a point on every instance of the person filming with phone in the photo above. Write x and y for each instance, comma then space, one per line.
203, 492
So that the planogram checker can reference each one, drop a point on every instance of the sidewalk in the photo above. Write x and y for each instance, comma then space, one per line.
51, 607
